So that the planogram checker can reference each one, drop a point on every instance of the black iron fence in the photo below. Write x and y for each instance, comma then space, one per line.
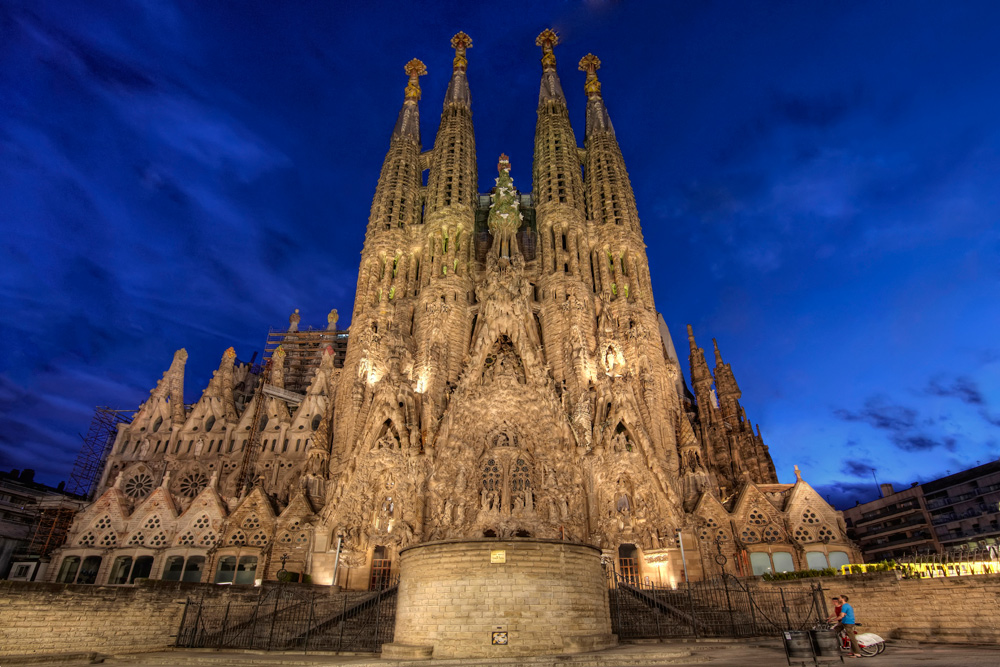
286, 619
721, 607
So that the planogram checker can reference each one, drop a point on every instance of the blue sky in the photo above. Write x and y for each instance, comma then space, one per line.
817, 184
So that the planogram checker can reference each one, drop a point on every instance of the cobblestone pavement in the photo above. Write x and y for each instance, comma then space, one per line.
712, 654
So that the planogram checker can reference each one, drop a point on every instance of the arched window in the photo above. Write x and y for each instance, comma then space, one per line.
68, 570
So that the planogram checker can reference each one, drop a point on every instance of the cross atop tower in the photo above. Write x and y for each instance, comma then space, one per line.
590, 64
414, 69
548, 39
460, 42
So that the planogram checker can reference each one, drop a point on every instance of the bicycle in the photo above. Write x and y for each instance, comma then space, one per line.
869, 642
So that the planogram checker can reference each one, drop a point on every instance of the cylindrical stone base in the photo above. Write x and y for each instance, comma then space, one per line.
492, 598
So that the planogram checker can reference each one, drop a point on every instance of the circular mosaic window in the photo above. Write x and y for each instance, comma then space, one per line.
251, 522
192, 484
757, 518
139, 486
105, 522
772, 535
825, 533
750, 536
810, 517
202, 522
87, 540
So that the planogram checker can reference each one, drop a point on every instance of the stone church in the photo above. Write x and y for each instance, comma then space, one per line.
506, 375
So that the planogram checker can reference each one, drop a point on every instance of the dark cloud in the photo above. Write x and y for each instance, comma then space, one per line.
857, 468
963, 388
843, 495
902, 424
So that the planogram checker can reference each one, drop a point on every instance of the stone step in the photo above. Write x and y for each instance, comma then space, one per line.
622, 657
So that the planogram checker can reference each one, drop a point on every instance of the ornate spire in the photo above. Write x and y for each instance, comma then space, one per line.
547, 39
504, 219
414, 69
458, 87
597, 114
460, 42
718, 355
551, 89
408, 123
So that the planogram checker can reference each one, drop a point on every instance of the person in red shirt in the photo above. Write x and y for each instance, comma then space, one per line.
836, 610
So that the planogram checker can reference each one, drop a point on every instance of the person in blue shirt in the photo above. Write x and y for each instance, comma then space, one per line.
846, 622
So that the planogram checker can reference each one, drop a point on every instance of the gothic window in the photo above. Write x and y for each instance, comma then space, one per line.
711, 531
772, 534
136, 539
251, 522
623, 504
157, 423
810, 517
825, 533
87, 540
757, 518
138, 486
208, 539
209, 423
186, 540
285, 538
315, 422
104, 522
802, 534
258, 539
749, 536
238, 538
158, 540
152, 523
109, 539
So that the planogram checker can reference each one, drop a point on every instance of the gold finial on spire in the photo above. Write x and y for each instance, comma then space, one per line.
229, 354
547, 40
460, 42
590, 64
414, 69
504, 163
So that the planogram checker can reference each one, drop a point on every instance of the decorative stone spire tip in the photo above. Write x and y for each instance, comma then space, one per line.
414, 69
460, 42
504, 163
548, 39
590, 64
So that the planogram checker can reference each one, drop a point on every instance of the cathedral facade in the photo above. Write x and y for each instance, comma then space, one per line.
506, 375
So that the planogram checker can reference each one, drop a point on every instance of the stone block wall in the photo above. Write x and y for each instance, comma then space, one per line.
946, 609
548, 596
43, 619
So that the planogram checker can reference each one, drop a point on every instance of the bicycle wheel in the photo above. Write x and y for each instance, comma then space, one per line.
881, 646
870, 650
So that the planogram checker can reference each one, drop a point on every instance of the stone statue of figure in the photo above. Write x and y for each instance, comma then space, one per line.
331, 320
144, 450
199, 446
293, 321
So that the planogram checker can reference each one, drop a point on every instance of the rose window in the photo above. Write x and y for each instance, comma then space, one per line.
139, 486
192, 484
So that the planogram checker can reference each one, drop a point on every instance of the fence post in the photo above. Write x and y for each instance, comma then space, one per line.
305, 646
753, 614
784, 608
180, 631
274, 617
197, 623
343, 622
225, 623
694, 619
729, 605
820, 600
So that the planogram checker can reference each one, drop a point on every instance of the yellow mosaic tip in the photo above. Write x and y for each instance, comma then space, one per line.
414, 69
547, 39
590, 64
229, 354
460, 42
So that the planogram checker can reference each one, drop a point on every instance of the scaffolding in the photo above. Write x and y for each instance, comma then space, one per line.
55, 516
304, 352
96, 447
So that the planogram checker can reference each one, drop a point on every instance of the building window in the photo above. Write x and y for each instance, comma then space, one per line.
173, 568
193, 569
838, 559
68, 570
235, 570
119, 571
88, 570
816, 560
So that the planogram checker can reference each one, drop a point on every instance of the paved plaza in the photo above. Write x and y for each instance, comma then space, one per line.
758, 653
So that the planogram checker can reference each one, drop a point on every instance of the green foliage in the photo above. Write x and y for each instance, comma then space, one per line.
798, 574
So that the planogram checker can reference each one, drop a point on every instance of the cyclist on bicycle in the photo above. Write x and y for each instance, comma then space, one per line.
846, 622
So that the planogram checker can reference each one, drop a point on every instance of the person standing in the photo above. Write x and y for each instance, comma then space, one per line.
832, 618
846, 618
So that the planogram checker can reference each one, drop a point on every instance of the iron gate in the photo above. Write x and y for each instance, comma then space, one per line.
721, 607
286, 619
